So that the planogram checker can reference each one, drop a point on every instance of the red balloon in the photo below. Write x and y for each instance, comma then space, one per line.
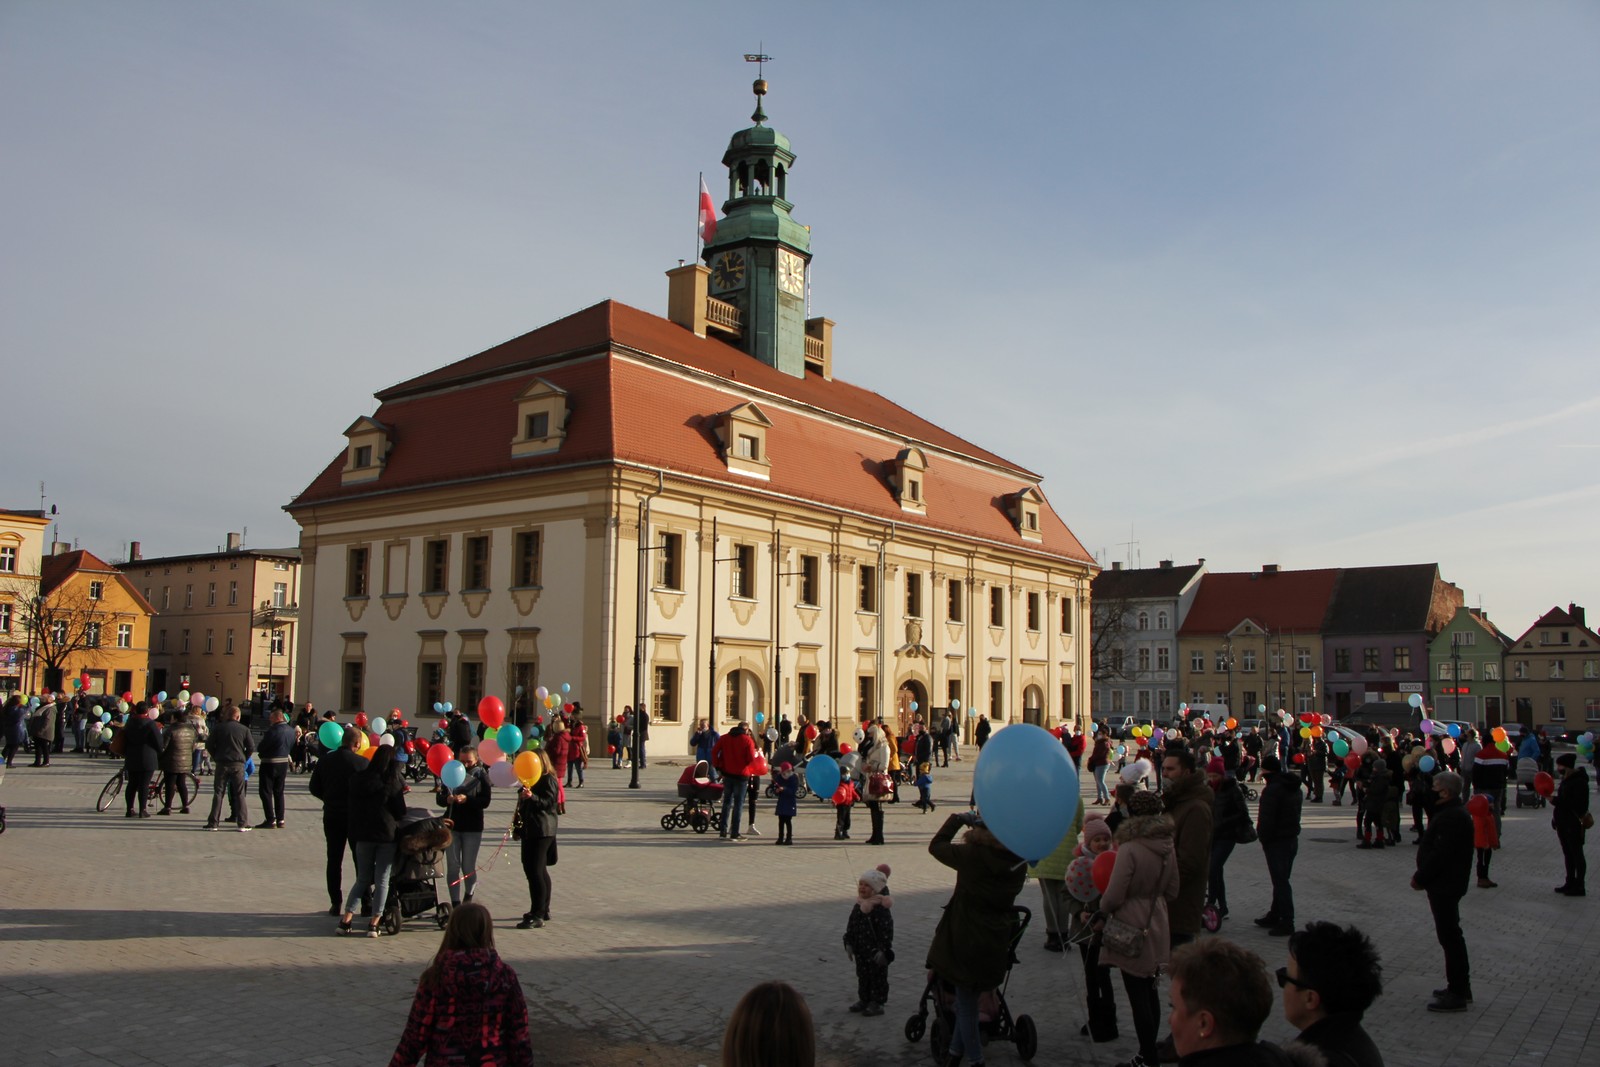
619, 719
845, 750
1299, 757
1353, 762
438, 756
423, 744
1056, 732
1101, 871
811, 733
1543, 784
411, 746
361, 719
492, 712
567, 708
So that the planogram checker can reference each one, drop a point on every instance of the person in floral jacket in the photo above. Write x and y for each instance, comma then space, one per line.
469, 1010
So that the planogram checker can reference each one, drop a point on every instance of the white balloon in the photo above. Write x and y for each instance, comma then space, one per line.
860, 735
388, 739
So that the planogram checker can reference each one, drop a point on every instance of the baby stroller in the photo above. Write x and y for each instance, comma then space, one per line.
700, 803
420, 840
995, 1021
1527, 769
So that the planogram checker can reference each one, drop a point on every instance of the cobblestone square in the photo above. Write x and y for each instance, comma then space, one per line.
150, 942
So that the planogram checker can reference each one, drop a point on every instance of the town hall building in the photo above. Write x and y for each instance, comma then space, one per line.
693, 512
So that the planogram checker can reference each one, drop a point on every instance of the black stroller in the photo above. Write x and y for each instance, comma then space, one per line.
995, 1021
420, 841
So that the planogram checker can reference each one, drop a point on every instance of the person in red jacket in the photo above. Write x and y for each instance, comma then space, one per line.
732, 756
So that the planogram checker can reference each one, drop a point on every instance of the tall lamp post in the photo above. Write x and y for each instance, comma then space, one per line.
1228, 661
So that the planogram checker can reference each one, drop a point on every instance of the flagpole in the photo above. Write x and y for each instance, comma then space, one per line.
697, 249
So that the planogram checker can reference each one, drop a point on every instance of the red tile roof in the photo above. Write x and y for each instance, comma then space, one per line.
1281, 602
643, 390
57, 569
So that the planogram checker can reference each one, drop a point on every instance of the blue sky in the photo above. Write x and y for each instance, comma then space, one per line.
1304, 283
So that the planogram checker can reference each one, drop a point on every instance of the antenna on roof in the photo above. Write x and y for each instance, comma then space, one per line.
1132, 545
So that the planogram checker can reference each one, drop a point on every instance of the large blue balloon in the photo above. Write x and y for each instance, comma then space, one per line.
822, 775
452, 774
1026, 789
509, 738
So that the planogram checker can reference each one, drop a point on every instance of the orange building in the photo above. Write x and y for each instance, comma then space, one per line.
90, 623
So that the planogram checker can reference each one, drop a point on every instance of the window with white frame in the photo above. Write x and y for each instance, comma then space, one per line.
1222, 661
1164, 701
277, 642
58, 632
1302, 703
1591, 709
1491, 671
211, 641
1163, 658
233, 593
1558, 668
8, 559
1247, 660
227, 648
1519, 669
280, 594
1143, 657
1446, 670
1116, 701
1466, 670
1591, 668
1463, 637
1144, 702
1161, 620
91, 635
124, 635
97, 590
1197, 664
1558, 709
211, 594
1302, 659
1142, 621
5, 618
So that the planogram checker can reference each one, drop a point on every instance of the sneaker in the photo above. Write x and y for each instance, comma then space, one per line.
1450, 1002
1267, 922
1445, 992
245, 829
1484, 883
262, 826
212, 826
164, 811
753, 831
872, 1009
280, 824
858, 1006
530, 923
373, 931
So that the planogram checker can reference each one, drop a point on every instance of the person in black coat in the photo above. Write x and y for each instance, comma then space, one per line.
1332, 978
230, 744
1278, 827
178, 739
273, 755
536, 811
1570, 805
330, 783
141, 753
1444, 867
377, 802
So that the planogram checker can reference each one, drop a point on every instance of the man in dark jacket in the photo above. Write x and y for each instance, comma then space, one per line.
1188, 800
459, 731
1220, 996
1570, 805
1444, 866
273, 756
1278, 827
330, 783
1332, 978
230, 745
141, 750
177, 756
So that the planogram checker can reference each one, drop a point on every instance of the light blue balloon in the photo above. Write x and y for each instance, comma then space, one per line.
161, 697
452, 774
1094, 727
955, 705
1454, 729
761, 717
913, 705
1426, 764
105, 716
1026, 789
1415, 700
566, 687
438, 708
379, 726
448, 707
534, 733
509, 738
822, 775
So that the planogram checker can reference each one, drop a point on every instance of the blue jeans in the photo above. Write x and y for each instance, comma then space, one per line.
1100, 793
374, 865
734, 787
1280, 863
966, 1040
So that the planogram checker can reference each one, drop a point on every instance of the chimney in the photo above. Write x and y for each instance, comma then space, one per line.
60, 548
1269, 568
1166, 564
1576, 613
234, 541
1116, 565
687, 288
135, 552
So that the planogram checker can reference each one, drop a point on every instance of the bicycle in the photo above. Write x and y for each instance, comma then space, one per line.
117, 786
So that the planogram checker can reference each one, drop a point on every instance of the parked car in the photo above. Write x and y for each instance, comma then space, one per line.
1386, 715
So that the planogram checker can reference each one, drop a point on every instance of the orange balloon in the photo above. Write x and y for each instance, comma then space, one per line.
1233, 724
527, 768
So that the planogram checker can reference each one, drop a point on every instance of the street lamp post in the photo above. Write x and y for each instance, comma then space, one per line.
1455, 673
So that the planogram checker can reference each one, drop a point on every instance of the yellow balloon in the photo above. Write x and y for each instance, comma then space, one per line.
527, 768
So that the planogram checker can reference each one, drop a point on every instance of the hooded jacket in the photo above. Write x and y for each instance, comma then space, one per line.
473, 1013
177, 746
141, 746
376, 805
734, 752
1571, 801
972, 943
1143, 882
1278, 818
1189, 800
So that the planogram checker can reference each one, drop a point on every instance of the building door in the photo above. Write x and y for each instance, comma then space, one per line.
741, 698
911, 705
1341, 705
1033, 705
1491, 712
158, 679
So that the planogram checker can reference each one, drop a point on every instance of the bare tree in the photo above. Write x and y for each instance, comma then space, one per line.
63, 625
1110, 641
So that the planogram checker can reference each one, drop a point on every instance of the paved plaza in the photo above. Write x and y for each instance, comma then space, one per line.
135, 942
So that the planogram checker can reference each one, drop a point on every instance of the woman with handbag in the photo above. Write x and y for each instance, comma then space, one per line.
1134, 936
536, 815
1231, 825
875, 768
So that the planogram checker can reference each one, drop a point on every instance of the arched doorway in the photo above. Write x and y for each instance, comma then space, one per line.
910, 692
741, 698
1033, 705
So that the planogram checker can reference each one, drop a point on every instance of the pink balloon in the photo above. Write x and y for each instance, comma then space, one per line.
490, 752
502, 775
1447, 745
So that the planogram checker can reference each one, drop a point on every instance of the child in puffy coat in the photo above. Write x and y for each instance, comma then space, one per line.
787, 785
869, 940
1485, 835
844, 799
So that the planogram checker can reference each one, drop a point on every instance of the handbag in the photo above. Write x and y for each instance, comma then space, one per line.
1247, 833
879, 785
1586, 820
550, 857
1124, 938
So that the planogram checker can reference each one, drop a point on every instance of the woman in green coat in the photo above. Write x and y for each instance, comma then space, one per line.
972, 944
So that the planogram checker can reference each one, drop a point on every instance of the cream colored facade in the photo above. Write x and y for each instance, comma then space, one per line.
380, 641
1248, 668
227, 621
22, 537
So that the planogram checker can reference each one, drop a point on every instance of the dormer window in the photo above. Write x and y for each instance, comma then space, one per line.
907, 472
1024, 506
742, 433
366, 453
541, 419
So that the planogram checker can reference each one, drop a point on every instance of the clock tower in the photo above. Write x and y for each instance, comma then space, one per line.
759, 256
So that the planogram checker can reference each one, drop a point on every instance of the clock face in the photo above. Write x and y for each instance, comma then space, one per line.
727, 271
791, 273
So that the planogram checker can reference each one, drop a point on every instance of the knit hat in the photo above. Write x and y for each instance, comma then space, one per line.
877, 878
1216, 766
1271, 765
1093, 826
1145, 802
785, 766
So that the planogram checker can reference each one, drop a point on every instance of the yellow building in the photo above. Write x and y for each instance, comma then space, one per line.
22, 536
91, 624
227, 619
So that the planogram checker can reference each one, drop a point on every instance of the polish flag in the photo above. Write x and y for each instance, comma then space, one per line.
708, 214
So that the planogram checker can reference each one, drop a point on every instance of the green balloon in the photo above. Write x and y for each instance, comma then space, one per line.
331, 734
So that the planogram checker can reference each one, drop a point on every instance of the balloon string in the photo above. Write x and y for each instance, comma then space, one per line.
488, 866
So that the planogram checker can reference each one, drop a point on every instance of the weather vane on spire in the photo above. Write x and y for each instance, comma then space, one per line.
760, 87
